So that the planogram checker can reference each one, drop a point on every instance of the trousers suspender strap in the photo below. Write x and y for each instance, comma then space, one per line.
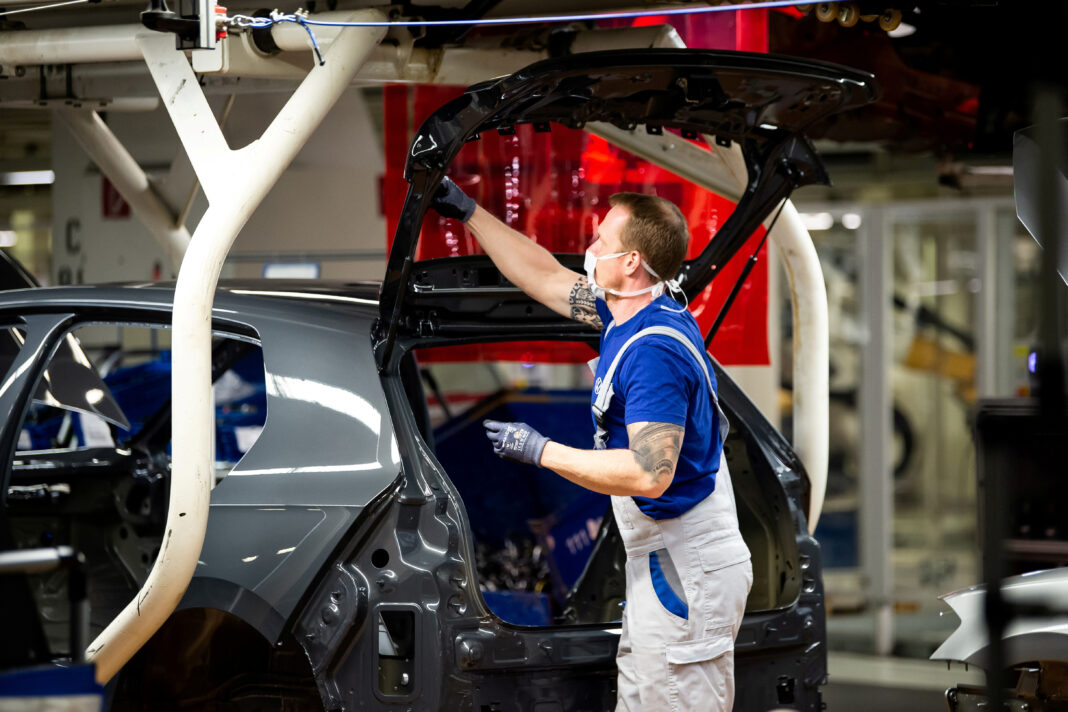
604, 396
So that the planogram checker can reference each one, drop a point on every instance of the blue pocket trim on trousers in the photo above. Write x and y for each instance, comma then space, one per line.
669, 598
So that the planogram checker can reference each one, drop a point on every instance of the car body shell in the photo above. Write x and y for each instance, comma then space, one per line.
340, 471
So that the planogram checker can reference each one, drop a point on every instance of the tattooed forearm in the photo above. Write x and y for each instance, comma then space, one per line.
583, 304
656, 447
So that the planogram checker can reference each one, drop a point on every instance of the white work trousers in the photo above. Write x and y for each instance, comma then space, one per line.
696, 565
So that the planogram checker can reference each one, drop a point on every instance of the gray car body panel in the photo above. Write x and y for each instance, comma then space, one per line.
327, 448
293, 529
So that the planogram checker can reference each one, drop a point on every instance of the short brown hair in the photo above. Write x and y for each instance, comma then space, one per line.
656, 228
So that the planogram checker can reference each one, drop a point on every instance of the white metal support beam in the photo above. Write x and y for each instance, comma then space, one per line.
723, 172
987, 305
876, 464
477, 60
684, 159
811, 353
105, 43
115, 162
235, 182
1003, 230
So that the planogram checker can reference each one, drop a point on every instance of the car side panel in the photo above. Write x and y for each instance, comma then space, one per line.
326, 451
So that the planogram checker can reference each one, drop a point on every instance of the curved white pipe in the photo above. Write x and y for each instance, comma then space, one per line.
476, 60
808, 299
118, 43
115, 162
238, 182
811, 346
105, 43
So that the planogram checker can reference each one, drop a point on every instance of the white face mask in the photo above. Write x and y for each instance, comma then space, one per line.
590, 265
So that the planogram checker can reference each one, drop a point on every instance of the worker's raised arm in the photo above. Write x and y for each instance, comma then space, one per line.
522, 261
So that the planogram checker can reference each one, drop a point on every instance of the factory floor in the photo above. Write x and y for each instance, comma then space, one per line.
908, 680
873, 684
916, 635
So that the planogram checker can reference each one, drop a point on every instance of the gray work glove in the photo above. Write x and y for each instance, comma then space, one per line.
451, 202
516, 441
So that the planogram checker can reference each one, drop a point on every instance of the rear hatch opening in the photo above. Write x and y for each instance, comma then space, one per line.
546, 550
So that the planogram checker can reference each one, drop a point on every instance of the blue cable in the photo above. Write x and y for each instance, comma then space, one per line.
315, 43
261, 22
264, 22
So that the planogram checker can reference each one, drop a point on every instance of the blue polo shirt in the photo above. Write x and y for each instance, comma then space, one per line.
658, 381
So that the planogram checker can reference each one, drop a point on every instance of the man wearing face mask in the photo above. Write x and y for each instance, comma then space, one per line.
658, 449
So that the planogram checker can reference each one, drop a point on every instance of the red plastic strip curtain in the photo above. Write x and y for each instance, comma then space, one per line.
554, 187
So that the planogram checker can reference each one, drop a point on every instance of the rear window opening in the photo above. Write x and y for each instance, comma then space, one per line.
547, 552
110, 386
533, 529
92, 463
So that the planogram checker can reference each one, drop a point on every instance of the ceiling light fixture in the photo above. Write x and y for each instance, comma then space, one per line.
28, 178
817, 221
902, 30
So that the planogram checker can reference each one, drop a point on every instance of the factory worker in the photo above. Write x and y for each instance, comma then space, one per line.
658, 450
